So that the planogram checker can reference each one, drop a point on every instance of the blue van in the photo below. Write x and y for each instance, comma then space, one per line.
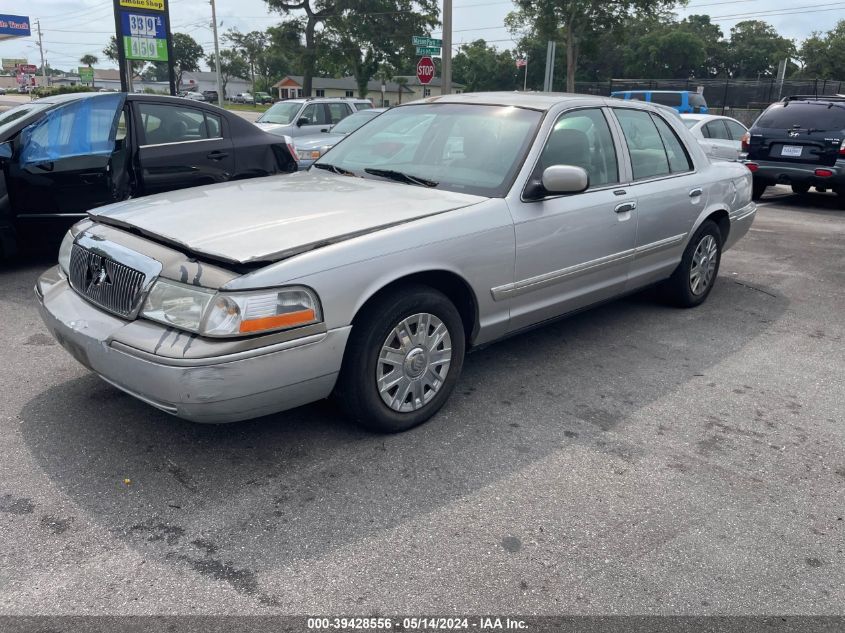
683, 101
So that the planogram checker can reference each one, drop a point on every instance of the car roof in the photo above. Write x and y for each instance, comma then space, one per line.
700, 117
659, 92
531, 100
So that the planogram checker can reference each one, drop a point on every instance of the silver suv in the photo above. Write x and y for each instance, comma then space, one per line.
299, 117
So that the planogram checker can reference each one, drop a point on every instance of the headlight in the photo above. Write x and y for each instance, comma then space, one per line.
64, 253
308, 154
224, 314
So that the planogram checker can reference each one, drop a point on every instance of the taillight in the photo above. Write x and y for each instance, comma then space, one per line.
824, 173
842, 149
292, 150
746, 139
752, 167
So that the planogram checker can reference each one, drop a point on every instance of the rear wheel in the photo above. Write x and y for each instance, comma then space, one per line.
758, 190
800, 188
403, 359
695, 276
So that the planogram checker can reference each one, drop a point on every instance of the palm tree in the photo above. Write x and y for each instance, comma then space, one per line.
89, 60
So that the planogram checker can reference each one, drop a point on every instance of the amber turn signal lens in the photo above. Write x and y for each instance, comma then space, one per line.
290, 319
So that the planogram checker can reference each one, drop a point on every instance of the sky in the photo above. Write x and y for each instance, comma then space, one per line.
70, 33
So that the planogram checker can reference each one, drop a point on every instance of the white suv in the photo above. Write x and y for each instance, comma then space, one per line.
300, 117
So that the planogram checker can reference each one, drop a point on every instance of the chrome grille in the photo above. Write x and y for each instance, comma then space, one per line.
105, 282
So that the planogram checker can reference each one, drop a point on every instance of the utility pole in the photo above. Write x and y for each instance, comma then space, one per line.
41, 50
216, 53
446, 59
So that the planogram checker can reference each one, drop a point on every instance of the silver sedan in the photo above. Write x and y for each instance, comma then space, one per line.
440, 226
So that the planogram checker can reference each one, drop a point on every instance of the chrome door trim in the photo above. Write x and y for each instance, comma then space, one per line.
660, 244
537, 282
196, 140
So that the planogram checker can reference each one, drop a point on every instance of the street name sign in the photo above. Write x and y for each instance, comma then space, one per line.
418, 40
428, 50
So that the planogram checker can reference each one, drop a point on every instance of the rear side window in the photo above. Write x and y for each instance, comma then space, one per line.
648, 157
667, 99
678, 158
338, 111
717, 129
817, 116
654, 147
736, 130
176, 124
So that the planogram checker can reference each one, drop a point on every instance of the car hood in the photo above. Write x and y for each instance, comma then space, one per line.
271, 127
317, 140
272, 218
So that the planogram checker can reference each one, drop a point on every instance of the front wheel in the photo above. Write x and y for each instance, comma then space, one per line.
695, 276
404, 356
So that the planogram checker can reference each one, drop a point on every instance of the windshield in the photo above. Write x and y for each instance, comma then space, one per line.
9, 117
807, 116
282, 113
460, 147
353, 122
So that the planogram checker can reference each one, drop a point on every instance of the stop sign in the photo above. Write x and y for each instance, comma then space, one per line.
425, 70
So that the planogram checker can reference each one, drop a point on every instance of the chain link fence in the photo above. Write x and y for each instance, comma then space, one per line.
743, 97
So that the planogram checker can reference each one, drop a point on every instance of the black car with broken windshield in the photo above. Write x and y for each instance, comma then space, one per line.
64, 155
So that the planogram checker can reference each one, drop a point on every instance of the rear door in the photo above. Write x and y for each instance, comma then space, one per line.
670, 194
181, 146
64, 163
719, 139
798, 132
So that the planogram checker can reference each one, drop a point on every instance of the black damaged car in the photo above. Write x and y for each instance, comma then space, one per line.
63, 155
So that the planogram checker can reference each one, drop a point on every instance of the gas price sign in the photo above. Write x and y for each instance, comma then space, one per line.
144, 36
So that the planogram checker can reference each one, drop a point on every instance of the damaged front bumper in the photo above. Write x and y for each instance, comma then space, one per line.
187, 376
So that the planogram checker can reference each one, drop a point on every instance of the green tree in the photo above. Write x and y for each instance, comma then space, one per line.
577, 21
823, 54
316, 13
755, 49
480, 67
251, 47
369, 34
187, 55
667, 53
232, 64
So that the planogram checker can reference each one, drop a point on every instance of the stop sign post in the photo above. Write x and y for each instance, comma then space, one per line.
425, 70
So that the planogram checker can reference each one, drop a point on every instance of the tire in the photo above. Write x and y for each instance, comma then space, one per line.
800, 188
423, 381
681, 288
758, 190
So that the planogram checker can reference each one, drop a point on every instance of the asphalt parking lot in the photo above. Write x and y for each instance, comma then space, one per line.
632, 459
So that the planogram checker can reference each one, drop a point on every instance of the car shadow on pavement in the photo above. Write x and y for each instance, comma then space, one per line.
232, 501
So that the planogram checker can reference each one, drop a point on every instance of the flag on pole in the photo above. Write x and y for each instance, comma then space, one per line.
521, 62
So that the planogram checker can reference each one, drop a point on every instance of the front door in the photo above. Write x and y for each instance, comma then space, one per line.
65, 163
181, 147
315, 119
573, 250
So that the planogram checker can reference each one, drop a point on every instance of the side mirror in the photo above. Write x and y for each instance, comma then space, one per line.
5, 151
303, 120
558, 179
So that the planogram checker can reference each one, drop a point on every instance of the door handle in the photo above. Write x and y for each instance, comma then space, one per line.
217, 155
695, 192
625, 207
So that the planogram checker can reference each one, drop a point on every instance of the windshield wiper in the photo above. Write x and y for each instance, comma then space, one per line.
401, 177
334, 169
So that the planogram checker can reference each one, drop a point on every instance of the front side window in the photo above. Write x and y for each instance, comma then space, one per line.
315, 114
582, 138
281, 113
80, 128
176, 124
456, 147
